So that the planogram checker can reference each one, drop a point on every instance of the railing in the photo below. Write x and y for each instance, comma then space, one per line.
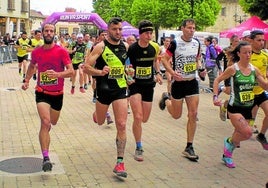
8, 54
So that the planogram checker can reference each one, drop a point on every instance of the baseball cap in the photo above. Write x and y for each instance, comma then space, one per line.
246, 33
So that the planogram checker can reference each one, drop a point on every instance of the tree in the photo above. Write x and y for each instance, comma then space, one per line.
163, 13
254, 7
110, 8
102, 7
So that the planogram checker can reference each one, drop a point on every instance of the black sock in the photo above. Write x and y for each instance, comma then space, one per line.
189, 144
261, 135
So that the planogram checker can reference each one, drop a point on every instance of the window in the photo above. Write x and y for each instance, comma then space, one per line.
24, 6
76, 30
63, 30
11, 5
223, 11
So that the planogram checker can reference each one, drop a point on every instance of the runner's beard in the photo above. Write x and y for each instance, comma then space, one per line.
48, 41
114, 39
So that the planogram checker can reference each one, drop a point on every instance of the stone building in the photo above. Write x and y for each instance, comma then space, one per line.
14, 16
36, 19
231, 15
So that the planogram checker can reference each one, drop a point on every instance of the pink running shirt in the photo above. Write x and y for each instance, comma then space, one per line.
55, 59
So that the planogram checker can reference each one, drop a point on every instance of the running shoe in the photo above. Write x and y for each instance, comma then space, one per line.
82, 90
228, 161
138, 154
109, 118
72, 90
263, 141
162, 102
227, 154
223, 111
119, 170
190, 154
47, 165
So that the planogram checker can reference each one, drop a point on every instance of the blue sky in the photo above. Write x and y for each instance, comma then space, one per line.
47, 7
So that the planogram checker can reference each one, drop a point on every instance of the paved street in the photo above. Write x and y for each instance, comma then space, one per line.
84, 153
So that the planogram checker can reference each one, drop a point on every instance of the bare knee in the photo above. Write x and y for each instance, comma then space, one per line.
192, 115
138, 117
121, 127
176, 116
45, 124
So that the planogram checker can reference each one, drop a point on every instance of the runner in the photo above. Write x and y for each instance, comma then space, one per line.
186, 50
53, 64
23, 44
259, 58
143, 55
106, 62
243, 78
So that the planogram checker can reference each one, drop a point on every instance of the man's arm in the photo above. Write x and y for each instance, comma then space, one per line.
90, 61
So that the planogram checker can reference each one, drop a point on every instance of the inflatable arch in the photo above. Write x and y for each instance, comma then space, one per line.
76, 17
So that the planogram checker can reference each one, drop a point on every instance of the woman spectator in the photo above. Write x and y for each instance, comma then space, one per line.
210, 61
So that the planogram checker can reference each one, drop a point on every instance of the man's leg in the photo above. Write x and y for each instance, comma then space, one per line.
44, 137
192, 106
100, 114
174, 107
73, 81
81, 79
261, 136
141, 112
120, 114
24, 66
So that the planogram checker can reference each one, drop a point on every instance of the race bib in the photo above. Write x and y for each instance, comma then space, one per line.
189, 67
246, 96
143, 72
116, 72
45, 80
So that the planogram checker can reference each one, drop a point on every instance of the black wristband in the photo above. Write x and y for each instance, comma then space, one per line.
156, 73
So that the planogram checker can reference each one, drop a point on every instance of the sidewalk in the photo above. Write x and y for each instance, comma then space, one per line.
84, 153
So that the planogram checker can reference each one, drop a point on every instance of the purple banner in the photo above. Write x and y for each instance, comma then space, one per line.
76, 17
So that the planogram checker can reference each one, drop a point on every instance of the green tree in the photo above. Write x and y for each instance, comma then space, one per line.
110, 8
102, 7
163, 13
254, 7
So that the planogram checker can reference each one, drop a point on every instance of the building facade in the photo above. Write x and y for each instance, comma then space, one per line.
231, 15
14, 16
